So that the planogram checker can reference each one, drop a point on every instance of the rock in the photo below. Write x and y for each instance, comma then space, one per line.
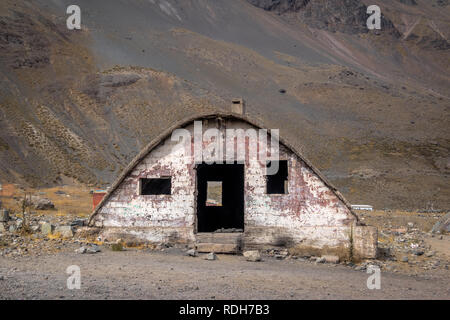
78, 223
2, 228
418, 252
320, 260
430, 253
410, 224
12, 228
4, 215
211, 256
64, 231
404, 259
19, 223
443, 225
81, 250
93, 249
400, 230
47, 228
331, 259
43, 204
34, 228
284, 253
88, 249
252, 255
191, 253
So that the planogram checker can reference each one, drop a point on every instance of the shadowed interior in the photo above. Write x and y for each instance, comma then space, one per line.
231, 213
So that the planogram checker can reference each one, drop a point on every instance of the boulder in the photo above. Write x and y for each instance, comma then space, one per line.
81, 250
191, 253
320, 260
252, 255
64, 231
47, 228
43, 204
443, 225
93, 249
88, 249
211, 256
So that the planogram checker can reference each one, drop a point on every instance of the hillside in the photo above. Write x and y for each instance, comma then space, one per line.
369, 108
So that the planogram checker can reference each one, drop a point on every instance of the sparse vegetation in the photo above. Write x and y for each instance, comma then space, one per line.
117, 247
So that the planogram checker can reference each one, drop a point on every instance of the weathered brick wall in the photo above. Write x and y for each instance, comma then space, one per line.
309, 214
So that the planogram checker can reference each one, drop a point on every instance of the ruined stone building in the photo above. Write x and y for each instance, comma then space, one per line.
163, 195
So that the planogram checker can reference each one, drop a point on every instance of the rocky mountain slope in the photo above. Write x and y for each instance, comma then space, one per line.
369, 108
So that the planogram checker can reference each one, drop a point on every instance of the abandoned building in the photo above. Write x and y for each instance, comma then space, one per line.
169, 195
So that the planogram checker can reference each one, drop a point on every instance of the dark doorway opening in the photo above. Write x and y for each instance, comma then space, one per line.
226, 183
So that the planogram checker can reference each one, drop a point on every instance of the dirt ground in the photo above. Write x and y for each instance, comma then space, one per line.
414, 263
135, 274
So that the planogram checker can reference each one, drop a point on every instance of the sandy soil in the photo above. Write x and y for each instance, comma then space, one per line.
170, 274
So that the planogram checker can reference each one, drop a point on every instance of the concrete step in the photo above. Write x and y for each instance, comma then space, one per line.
218, 247
213, 237
219, 242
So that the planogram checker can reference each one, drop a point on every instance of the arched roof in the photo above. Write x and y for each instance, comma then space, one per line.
183, 123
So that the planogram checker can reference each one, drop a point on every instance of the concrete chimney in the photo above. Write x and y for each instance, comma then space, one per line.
238, 106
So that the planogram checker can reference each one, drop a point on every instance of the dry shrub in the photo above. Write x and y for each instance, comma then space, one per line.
117, 247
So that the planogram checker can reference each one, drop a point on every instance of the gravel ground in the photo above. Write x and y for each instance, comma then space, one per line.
145, 274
